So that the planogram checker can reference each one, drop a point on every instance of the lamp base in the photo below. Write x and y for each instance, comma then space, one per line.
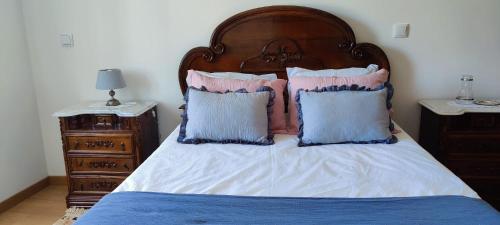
113, 102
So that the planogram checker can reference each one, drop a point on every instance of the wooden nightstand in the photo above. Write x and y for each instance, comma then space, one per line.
466, 139
103, 145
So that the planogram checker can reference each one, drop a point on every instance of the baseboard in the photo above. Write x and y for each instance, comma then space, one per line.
31, 190
24, 194
58, 180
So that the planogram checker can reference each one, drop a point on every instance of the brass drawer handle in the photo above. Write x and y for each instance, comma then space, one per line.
100, 185
102, 164
105, 144
122, 145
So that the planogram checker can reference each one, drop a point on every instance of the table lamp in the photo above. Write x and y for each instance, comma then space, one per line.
110, 79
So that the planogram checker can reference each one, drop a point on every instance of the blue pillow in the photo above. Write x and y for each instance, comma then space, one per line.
230, 117
345, 114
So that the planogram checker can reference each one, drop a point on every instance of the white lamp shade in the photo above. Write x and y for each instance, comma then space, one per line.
109, 79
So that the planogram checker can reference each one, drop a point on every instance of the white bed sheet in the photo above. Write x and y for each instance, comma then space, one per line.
348, 170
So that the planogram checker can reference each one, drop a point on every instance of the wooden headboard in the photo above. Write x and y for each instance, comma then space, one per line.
269, 39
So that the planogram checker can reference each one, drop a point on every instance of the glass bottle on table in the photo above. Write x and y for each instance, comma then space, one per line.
465, 96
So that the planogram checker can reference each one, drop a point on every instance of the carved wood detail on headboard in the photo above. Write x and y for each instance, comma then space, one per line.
269, 39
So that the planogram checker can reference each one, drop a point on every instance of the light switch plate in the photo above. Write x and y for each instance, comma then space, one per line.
66, 40
400, 30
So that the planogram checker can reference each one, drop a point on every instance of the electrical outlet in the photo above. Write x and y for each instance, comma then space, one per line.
66, 40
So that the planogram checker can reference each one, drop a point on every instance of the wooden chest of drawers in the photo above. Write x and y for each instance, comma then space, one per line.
101, 150
469, 145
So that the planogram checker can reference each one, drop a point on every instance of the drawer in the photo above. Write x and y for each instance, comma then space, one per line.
100, 143
100, 165
473, 144
98, 122
475, 121
104, 121
94, 184
475, 167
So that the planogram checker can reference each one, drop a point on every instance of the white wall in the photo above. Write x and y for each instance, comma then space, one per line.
148, 38
22, 161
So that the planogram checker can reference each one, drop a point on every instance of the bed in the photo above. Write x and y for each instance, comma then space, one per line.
283, 183
285, 170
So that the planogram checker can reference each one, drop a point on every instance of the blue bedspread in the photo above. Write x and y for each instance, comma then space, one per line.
158, 208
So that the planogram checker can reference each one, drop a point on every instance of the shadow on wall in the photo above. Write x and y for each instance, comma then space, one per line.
402, 77
406, 109
138, 84
171, 118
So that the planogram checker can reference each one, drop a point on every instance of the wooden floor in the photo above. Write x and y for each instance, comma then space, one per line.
45, 207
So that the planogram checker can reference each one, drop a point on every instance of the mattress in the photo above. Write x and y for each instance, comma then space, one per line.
403, 169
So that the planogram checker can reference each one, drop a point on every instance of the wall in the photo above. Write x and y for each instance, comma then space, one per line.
148, 38
22, 161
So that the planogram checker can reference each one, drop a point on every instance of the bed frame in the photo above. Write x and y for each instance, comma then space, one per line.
269, 39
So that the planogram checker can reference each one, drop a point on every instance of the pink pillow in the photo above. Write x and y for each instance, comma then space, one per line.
278, 121
371, 80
